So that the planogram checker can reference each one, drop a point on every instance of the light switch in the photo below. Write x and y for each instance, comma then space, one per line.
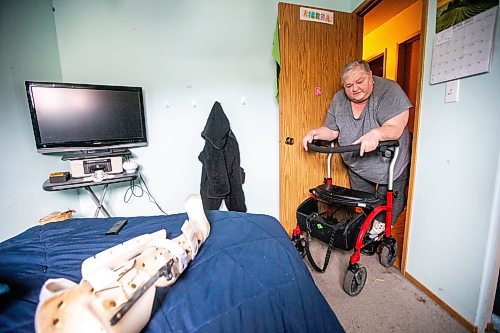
451, 94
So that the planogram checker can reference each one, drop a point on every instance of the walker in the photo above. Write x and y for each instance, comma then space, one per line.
341, 217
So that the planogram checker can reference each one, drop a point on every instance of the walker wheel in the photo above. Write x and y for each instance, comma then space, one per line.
355, 280
388, 255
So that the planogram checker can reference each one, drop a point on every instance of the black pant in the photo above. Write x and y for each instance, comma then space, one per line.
398, 191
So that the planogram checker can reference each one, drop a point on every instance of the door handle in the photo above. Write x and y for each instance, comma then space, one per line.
289, 140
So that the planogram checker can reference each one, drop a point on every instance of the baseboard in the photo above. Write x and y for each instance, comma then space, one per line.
471, 327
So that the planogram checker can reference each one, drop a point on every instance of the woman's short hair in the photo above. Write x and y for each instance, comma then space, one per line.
356, 64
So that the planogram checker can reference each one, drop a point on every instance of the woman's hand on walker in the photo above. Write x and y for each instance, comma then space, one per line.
369, 142
308, 138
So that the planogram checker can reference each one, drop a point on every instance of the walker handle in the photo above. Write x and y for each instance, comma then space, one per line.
314, 146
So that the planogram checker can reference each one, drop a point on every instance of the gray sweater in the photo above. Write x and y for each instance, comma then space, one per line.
386, 101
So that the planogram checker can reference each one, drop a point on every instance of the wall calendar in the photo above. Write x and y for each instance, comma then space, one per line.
465, 48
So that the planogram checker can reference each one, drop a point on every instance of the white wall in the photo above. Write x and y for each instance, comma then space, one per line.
180, 52
458, 151
28, 51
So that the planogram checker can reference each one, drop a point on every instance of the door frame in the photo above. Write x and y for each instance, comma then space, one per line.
401, 46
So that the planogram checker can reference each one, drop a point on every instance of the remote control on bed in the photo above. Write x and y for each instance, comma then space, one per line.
115, 229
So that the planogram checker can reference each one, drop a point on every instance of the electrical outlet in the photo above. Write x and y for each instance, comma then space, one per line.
451, 93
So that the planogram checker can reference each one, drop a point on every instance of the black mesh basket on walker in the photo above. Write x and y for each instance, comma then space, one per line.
342, 224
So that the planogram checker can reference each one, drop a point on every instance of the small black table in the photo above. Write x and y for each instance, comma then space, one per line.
73, 183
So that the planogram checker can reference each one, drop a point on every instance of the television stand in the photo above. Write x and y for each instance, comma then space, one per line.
89, 154
74, 183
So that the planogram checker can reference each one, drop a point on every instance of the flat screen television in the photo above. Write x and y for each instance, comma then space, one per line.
71, 117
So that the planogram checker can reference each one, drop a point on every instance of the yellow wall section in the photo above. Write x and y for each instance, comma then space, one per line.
387, 36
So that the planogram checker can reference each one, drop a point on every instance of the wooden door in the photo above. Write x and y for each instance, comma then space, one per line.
312, 56
407, 74
377, 65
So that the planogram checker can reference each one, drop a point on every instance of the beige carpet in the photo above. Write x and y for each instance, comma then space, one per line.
387, 303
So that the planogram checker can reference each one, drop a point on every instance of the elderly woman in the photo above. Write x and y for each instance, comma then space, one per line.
369, 109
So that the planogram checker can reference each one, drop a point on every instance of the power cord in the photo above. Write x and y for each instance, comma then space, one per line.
137, 191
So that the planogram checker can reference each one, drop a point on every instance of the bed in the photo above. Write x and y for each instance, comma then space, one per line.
247, 277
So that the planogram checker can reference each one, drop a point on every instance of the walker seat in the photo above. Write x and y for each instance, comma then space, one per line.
331, 194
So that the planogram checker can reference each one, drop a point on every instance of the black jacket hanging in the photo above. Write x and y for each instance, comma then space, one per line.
221, 176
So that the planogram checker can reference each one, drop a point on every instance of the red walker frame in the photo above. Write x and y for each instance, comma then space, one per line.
356, 274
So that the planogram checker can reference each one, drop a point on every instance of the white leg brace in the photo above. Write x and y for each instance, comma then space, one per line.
116, 292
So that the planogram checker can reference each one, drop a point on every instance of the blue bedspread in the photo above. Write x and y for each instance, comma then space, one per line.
247, 276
